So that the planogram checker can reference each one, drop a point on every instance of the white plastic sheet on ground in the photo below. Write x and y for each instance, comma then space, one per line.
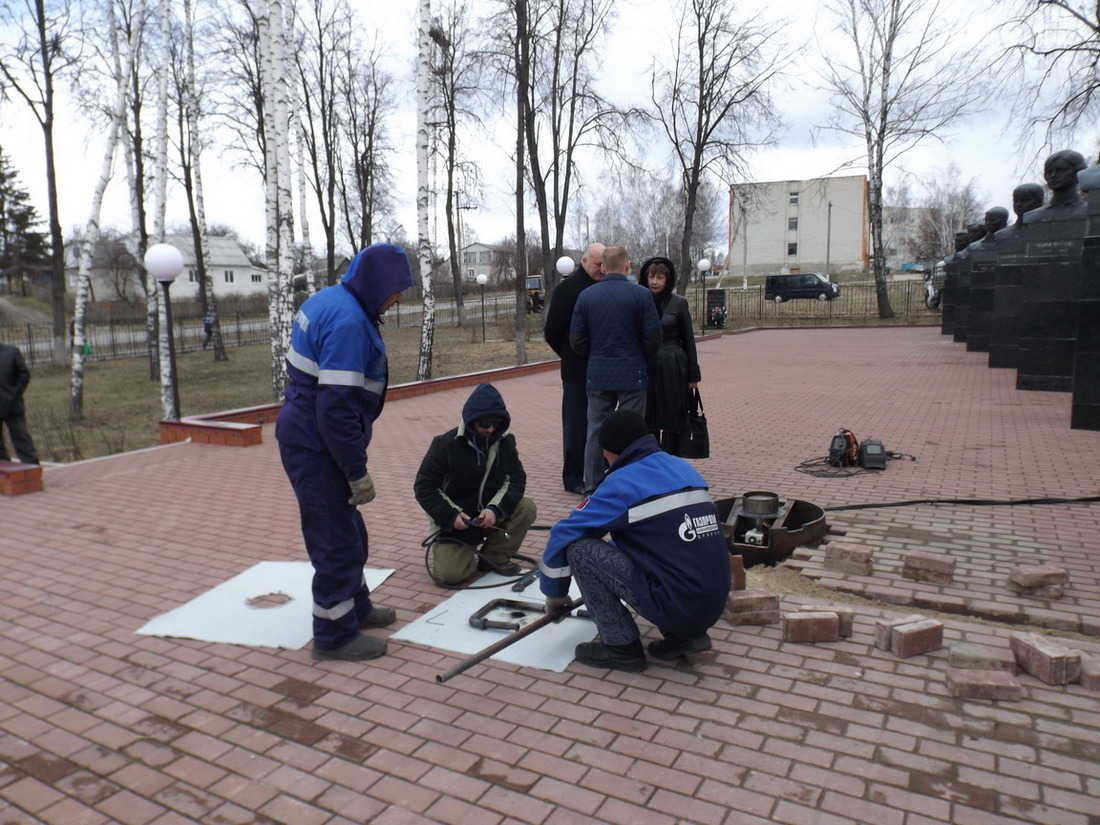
268, 605
448, 627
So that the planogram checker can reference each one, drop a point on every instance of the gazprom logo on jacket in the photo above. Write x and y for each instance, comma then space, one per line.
699, 527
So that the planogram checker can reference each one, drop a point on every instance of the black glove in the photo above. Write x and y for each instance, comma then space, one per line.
556, 603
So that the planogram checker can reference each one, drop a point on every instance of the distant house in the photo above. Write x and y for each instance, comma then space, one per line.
115, 275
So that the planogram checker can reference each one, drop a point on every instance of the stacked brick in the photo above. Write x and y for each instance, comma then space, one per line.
1045, 659
752, 607
979, 672
909, 636
811, 624
844, 557
936, 568
1039, 581
17, 479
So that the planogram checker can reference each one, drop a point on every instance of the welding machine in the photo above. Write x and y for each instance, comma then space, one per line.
872, 455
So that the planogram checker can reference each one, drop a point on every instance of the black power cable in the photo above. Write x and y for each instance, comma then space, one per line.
974, 502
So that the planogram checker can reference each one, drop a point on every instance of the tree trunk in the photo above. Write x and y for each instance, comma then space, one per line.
423, 80
118, 119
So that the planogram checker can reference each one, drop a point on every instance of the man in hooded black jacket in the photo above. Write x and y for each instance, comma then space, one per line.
471, 484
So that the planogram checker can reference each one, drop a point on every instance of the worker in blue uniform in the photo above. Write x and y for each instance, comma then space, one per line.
667, 558
337, 372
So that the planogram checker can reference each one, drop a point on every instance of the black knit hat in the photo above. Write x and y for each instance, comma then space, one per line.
621, 429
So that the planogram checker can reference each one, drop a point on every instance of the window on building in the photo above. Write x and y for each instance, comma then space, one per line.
792, 249
483, 257
469, 257
228, 276
471, 275
193, 276
794, 199
257, 278
792, 224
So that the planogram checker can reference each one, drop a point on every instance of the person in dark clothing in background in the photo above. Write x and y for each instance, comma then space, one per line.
675, 370
14, 378
471, 484
574, 365
338, 375
667, 558
616, 325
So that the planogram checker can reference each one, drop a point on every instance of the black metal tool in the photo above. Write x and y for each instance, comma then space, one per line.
509, 640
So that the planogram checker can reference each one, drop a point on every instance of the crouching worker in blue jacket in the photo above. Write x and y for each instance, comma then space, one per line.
667, 559
338, 375
471, 484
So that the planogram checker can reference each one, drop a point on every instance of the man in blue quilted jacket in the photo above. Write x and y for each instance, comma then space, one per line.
615, 323
338, 375
667, 558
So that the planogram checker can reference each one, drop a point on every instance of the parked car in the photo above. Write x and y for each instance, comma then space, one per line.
780, 288
536, 298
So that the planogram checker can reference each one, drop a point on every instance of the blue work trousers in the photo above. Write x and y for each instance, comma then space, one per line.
336, 541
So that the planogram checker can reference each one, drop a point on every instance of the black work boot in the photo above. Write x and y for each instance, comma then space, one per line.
628, 657
674, 647
358, 649
378, 617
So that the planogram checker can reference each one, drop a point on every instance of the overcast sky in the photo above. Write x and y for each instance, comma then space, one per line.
984, 148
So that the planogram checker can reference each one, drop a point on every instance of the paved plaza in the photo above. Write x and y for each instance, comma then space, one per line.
101, 725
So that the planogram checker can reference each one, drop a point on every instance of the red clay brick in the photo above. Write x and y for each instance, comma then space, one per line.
845, 617
928, 567
843, 557
1090, 672
884, 629
910, 640
984, 684
811, 627
1038, 575
1045, 659
981, 657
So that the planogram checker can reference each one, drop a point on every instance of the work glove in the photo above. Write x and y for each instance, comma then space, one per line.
362, 491
554, 603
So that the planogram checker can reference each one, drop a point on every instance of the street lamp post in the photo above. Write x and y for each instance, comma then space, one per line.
482, 279
164, 262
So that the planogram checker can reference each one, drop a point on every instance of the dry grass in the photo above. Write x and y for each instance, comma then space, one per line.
122, 405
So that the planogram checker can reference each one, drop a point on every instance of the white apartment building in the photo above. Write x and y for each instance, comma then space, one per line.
818, 225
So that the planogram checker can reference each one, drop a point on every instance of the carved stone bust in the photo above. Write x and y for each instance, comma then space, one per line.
1060, 173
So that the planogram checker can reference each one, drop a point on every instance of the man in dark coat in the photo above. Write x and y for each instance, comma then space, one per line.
574, 365
471, 484
616, 325
338, 378
14, 378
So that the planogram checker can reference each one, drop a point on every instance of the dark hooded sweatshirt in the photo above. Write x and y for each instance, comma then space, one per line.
463, 472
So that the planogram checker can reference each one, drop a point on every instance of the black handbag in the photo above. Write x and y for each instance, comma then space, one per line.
695, 440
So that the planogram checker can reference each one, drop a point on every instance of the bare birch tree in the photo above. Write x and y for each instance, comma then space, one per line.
457, 81
160, 200
279, 193
713, 101
122, 62
38, 47
897, 80
191, 143
1058, 45
424, 244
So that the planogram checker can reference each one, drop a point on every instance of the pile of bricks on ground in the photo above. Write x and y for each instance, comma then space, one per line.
974, 671
17, 479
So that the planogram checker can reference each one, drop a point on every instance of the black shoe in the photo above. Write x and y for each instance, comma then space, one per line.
630, 658
378, 617
358, 649
675, 647
507, 568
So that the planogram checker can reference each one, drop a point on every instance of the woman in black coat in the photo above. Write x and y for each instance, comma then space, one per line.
675, 370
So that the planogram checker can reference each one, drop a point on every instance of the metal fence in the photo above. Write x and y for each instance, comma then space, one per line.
111, 340
856, 303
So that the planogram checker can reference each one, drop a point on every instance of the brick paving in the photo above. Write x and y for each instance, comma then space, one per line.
99, 725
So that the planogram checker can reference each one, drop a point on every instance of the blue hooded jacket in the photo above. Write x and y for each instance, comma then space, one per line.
337, 361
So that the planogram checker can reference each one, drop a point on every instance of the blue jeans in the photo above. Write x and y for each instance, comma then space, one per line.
601, 403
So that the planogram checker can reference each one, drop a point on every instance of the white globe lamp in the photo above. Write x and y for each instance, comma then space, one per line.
482, 279
564, 265
164, 262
